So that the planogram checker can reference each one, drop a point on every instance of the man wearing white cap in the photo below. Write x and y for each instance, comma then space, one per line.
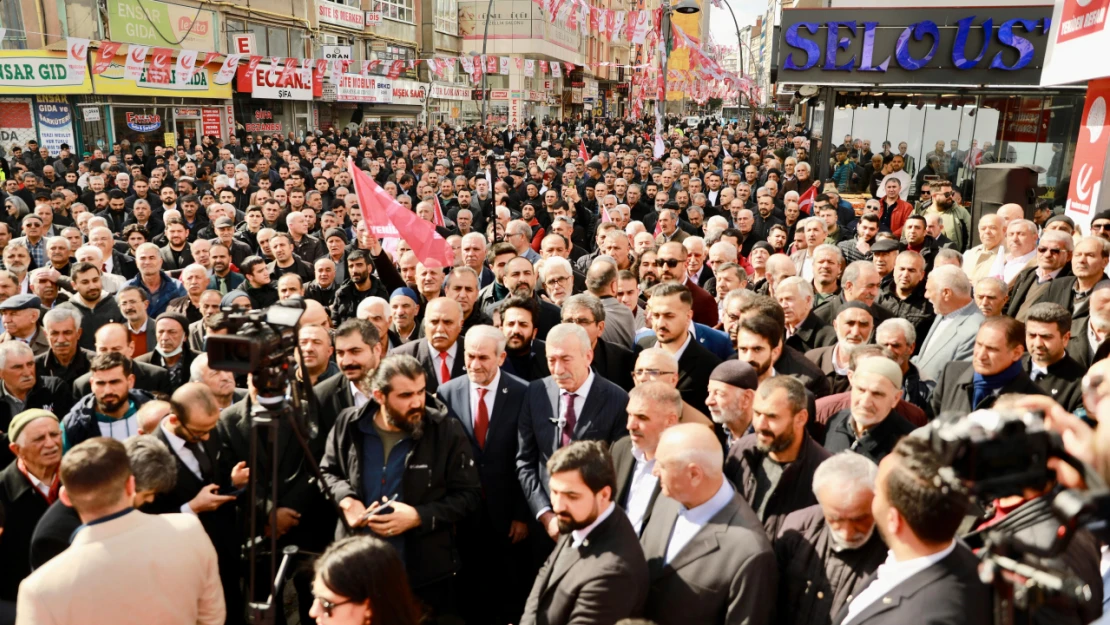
870, 427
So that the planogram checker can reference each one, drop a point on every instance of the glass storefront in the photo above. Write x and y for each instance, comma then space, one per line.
970, 129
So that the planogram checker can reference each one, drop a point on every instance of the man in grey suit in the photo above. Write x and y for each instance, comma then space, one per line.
597, 574
571, 404
929, 576
652, 408
952, 336
709, 560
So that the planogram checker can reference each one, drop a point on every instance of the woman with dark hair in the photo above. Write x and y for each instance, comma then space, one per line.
360, 581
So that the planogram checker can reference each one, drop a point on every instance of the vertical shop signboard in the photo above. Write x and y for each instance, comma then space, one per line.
55, 120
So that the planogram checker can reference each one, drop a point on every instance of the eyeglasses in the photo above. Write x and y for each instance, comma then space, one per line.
557, 280
668, 262
650, 373
580, 321
1049, 250
328, 606
1102, 226
944, 194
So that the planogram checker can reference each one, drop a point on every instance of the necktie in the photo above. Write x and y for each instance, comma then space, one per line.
571, 419
202, 459
481, 422
223, 285
1037, 375
444, 372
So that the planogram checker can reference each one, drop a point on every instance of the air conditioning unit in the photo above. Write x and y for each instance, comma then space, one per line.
329, 40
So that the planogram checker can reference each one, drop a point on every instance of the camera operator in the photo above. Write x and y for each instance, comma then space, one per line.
928, 576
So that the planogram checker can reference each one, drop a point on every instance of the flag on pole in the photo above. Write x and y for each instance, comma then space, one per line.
439, 221
605, 215
659, 147
386, 217
582, 153
805, 201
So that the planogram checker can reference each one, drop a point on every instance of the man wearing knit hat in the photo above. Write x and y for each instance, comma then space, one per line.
870, 427
27, 488
732, 387
171, 352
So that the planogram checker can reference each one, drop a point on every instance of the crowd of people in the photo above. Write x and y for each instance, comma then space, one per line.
647, 390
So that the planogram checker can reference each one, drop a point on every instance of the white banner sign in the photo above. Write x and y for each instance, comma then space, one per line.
337, 53
266, 84
372, 89
410, 92
445, 92
1079, 35
340, 14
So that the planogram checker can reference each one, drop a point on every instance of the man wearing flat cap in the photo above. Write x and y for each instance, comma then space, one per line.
20, 314
732, 388
27, 488
171, 351
870, 427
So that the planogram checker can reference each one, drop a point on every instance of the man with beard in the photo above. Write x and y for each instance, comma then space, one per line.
671, 262
360, 286
519, 277
597, 572
440, 351
170, 352
399, 443
671, 311
955, 220
358, 349
871, 426
853, 326
96, 307
804, 331
773, 467
526, 356
404, 305
905, 295
826, 552
223, 278
732, 387
109, 410
728, 583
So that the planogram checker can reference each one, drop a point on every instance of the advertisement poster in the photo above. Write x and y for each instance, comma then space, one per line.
55, 117
152, 23
210, 119
1090, 155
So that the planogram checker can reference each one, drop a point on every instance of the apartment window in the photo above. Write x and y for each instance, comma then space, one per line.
390, 53
447, 17
268, 40
399, 10
11, 17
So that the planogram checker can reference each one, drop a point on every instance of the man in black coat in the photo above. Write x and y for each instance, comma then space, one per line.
24, 389
948, 589
672, 311
113, 338
871, 426
1047, 331
572, 404
1031, 285
488, 403
525, 355
805, 331
994, 370
358, 349
653, 407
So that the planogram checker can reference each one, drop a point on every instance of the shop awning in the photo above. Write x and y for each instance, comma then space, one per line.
393, 110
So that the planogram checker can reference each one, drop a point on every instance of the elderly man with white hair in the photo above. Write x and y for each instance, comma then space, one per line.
221, 383
804, 330
1053, 260
833, 545
871, 426
952, 335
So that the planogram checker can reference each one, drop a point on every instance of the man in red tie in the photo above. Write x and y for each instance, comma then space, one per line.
440, 352
488, 402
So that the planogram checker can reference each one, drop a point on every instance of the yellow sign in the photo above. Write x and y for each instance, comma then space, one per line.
35, 72
679, 59
170, 140
114, 81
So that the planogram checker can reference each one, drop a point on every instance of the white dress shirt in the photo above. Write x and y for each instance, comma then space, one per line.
685, 344
1007, 270
577, 537
451, 354
889, 575
187, 458
491, 390
640, 490
39, 485
690, 522
807, 267
360, 398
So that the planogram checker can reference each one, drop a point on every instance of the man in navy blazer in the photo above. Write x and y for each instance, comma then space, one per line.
488, 402
572, 404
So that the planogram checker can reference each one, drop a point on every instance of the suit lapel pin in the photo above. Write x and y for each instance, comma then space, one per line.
504, 391
1055, 390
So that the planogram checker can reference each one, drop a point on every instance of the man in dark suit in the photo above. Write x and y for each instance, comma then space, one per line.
440, 350
994, 370
652, 408
709, 560
1032, 284
190, 432
870, 426
861, 283
611, 361
1088, 266
572, 404
525, 355
358, 350
597, 574
805, 331
488, 402
113, 338
671, 313
1047, 331
946, 587
854, 327
671, 261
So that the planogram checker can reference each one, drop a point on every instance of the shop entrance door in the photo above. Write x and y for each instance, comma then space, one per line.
187, 128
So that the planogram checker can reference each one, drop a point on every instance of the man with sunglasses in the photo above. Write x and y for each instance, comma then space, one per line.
1053, 256
1100, 225
955, 219
671, 263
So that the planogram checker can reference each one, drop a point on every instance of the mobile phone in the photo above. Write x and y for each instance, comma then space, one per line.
385, 508
231, 491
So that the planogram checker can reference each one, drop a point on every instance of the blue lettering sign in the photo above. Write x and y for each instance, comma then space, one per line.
835, 44
959, 48
811, 49
1024, 47
869, 50
902, 48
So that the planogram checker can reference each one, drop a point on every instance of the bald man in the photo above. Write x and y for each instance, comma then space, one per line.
733, 579
440, 351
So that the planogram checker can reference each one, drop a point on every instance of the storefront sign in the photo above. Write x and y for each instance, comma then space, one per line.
358, 88
210, 122
143, 122
373, 18
243, 43
1027, 123
266, 83
340, 15
516, 107
161, 24
55, 117
1089, 169
337, 53
410, 92
914, 46
1079, 36
33, 72
499, 94
169, 139
263, 122
201, 85
91, 113
444, 92
181, 112
479, 94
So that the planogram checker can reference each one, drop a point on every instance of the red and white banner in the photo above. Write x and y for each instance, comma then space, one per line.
227, 70
77, 55
104, 56
136, 59
504, 65
160, 65
1090, 156
185, 66
385, 217
556, 69
529, 68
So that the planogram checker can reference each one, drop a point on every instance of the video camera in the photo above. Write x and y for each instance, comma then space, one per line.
261, 343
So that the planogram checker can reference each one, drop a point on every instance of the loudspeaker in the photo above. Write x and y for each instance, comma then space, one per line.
1002, 183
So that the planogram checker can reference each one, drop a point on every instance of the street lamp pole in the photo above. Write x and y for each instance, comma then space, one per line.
740, 53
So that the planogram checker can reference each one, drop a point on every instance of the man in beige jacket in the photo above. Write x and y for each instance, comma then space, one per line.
123, 566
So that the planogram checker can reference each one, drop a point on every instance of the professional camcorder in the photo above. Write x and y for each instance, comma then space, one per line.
261, 343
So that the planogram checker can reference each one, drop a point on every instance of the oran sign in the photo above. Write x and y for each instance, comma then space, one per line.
34, 72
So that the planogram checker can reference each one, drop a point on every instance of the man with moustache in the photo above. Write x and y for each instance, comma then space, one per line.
400, 443
526, 355
358, 348
870, 427
440, 351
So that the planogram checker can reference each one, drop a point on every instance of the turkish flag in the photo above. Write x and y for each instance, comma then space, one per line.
104, 56
159, 72
805, 201
582, 153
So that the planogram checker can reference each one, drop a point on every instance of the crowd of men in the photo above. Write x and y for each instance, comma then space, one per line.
648, 388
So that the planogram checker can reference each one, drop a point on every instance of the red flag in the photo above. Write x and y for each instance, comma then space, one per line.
605, 215
104, 56
159, 72
439, 212
396, 68
208, 58
805, 201
582, 153
388, 218
658, 229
